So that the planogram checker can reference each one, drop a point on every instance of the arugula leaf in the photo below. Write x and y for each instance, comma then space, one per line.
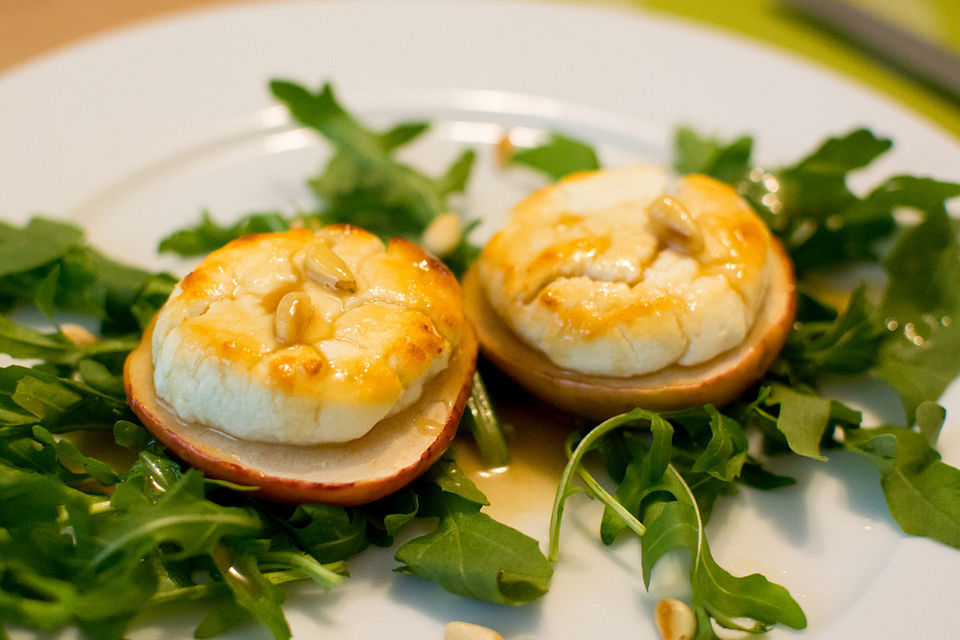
847, 344
223, 616
921, 353
558, 157
100, 378
803, 419
69, 456
726, 161
754, 475
38, 243
131, 435
182, 516
363, 184
643, 472
808, 204
151, 295
473, 555
386, 516
325, 575
457, 175
22, 342
147, 480
207, 235
676, 524
63, 273
726, 452
327, 532
403, 133
58, 404
449, 478
930, 419
225, 612
921, 491
566, 488
163, 509
323, 112
251, 590
470, 553
815, 188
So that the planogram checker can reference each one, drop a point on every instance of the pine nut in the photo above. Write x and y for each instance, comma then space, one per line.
504, 150
326, 267
442, 235
292, 317
77, 335
673, 219
467, 631
675, 620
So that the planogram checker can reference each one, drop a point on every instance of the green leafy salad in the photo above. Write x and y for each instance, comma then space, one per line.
99, 523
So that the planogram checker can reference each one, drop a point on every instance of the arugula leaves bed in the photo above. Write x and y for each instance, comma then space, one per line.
89, 541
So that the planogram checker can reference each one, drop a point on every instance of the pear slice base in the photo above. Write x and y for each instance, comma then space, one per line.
391, 455
716, 381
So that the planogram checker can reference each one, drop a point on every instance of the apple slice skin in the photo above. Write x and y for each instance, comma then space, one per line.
717, 381
227, 458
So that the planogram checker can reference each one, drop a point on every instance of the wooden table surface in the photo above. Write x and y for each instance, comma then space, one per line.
30, 28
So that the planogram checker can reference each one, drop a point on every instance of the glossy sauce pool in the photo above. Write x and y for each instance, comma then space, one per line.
529, 481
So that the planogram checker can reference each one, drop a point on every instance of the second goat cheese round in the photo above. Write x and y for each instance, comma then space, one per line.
305, 337
626, 272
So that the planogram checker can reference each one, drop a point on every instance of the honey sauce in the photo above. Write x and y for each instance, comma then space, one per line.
529, 481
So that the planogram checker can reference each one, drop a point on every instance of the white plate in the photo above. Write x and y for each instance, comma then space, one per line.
133, 133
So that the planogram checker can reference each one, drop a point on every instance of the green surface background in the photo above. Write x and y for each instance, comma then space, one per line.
775, 23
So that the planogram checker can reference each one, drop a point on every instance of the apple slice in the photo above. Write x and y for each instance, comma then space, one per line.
716, 381
391, 455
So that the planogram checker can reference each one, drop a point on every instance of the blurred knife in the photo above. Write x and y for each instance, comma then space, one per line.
932, 63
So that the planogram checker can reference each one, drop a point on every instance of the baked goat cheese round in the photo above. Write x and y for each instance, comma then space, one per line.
626, 287
305, 338
300, 346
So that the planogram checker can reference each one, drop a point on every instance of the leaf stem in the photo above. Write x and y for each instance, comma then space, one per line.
210, 589
608, 500
564, 489
323, 575
696, 509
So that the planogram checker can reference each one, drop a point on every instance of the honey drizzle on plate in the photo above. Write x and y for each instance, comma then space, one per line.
530, 480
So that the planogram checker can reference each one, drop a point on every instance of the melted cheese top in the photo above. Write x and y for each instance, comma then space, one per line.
363, 353
591, 272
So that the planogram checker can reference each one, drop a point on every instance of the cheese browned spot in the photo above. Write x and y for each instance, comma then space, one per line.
327, 366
